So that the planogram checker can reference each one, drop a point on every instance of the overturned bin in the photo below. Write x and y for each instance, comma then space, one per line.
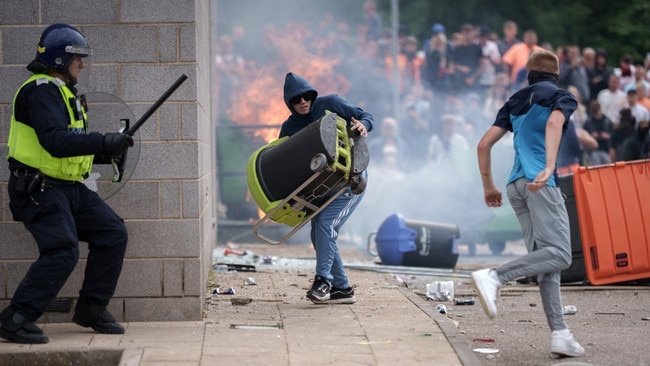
294, 178
415, 243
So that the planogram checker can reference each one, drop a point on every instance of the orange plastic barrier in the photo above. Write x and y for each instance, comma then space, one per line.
613, 204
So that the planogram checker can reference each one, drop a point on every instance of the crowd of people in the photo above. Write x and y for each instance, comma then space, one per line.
452, 84
452, 87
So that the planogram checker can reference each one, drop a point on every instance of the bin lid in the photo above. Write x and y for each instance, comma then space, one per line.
394, 229
394, 239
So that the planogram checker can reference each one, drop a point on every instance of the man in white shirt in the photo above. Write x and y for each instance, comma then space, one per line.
448, 142
491, 60
612, 99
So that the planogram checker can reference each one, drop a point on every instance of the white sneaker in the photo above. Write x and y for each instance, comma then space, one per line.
564, 345
488, 290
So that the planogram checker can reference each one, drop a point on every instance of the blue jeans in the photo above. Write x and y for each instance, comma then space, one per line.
325, 230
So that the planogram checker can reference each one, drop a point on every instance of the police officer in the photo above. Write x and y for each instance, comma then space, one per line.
50, 152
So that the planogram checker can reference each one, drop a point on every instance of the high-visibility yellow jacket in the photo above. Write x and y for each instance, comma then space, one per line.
24, 145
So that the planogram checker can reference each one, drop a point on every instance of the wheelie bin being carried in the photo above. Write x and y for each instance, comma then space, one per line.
293, 178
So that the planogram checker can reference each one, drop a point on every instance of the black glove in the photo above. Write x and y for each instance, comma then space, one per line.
115, 143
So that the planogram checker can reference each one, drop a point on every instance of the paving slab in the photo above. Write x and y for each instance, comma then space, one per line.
279, 326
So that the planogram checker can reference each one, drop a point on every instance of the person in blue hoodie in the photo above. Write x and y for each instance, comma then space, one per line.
330, 284
538, 116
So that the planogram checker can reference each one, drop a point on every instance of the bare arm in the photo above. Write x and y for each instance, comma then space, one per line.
492, 194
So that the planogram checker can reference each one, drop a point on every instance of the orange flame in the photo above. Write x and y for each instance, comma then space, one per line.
259, 100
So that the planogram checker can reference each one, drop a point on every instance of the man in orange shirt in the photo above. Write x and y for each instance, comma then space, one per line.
409, 64
642, 98
516, 57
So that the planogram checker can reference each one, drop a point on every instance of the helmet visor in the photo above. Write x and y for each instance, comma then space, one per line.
86, 74
79, 50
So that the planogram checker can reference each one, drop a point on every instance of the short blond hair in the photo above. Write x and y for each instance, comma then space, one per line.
543, 60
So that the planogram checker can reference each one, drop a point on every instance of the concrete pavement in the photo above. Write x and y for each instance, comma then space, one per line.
270, 323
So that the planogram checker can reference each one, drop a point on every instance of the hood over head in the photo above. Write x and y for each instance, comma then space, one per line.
295, 85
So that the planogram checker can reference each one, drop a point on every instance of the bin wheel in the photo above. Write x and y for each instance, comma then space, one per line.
358, 184
318, 162
497, 247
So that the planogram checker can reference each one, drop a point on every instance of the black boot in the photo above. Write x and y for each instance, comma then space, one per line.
16, 328
97, 317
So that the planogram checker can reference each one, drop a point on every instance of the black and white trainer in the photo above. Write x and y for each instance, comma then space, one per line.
342, 295
320, 290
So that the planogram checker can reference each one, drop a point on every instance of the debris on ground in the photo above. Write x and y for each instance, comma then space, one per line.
228, 291
569, 310
487, 340
486, 350
241, 300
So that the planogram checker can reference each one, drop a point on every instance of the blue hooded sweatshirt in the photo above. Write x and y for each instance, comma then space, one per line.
295, 85
525, 114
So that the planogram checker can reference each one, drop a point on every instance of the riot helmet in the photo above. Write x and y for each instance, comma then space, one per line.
58, 44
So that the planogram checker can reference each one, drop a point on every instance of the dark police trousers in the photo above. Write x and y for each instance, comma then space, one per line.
58, 217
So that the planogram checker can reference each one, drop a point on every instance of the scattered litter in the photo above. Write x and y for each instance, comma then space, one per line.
241, 268
229, 291
229, 267
607, 313
241, 300
250, 281
220, 268
267, 259
569, 310
237, 260
228, 251
442, 309
470, 301
487, 340
440, 290
401, 279
427, 335
532, 305
646, 318
486, 350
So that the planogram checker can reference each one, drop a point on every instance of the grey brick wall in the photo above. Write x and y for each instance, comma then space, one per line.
140, 47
